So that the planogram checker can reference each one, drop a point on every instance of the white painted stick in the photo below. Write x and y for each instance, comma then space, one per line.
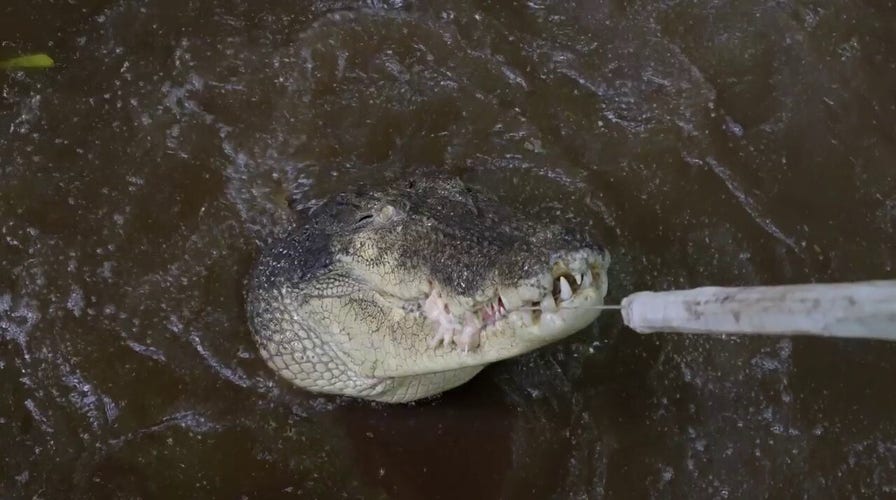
852, 310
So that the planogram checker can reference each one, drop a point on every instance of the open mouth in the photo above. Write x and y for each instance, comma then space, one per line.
564, 286
537, 304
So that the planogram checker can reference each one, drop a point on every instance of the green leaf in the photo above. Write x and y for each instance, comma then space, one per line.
30, 61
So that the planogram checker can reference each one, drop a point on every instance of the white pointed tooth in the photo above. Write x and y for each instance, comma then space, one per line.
565, 289
469, 336
588, 279
548, 304
579, 278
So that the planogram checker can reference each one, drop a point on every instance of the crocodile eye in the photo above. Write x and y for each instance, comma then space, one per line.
386, 213
364, 219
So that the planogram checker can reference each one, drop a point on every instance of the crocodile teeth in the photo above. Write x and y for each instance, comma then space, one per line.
588, 279
548, 304
565, 289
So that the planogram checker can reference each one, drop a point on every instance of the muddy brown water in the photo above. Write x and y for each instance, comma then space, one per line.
727, 143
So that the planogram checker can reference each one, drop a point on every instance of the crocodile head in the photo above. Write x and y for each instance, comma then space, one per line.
403, 293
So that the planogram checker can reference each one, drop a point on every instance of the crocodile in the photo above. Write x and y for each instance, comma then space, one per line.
402, 293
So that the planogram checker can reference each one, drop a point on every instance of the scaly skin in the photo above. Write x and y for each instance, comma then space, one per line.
405, 293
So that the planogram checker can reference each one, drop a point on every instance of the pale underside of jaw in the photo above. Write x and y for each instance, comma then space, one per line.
543, 311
